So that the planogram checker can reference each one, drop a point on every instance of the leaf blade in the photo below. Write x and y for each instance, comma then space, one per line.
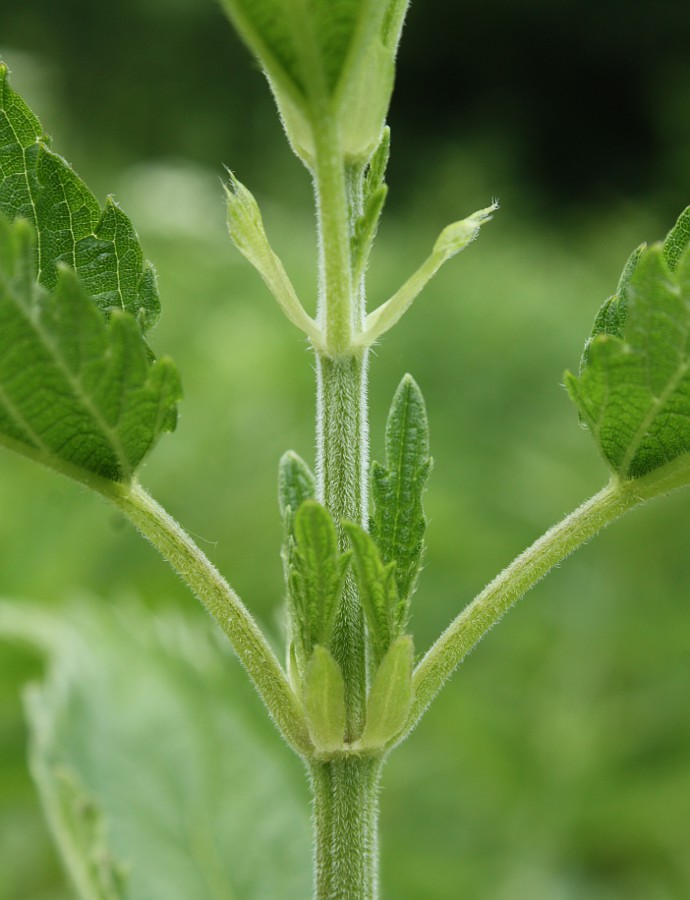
100, 244
196, 797
633, 391
75, 388
398, 521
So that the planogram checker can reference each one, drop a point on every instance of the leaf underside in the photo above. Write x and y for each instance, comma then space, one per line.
99, 244
304, 45
74, 388
633, 390
145, 769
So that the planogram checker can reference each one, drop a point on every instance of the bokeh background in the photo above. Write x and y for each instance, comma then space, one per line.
557, 763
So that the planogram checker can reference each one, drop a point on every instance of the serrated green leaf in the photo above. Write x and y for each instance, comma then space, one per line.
316, 578
378, 592
74, 389
677, 240
324, 701
149, 723
390, 697
72, 229
398, 522
633, 392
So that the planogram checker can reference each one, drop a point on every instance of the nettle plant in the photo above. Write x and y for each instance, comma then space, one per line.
81, 392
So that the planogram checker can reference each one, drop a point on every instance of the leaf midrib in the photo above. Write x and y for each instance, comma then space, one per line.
74, 382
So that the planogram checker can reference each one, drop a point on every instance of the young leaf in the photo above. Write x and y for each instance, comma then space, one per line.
375, 192
194, 797
378, 593
302, 46
390, 697
677, 240
454, 238
398, 522
316, 578
633, 391
74, 389
337, 55
296, 483
71, 228
324, 701
247, 232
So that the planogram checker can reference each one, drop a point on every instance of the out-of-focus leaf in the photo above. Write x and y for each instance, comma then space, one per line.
146, 717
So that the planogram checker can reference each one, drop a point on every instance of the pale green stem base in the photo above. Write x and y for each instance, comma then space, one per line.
346, 792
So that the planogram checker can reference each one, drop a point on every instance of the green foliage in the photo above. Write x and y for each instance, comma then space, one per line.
374, 196
99, 244
75, 389
315, 579
324, 701
390, 697
296, 484
378, 593
398, 521
140, 758
326, 55
633, 391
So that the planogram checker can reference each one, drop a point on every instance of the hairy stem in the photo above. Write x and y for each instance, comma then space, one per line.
345, 789
508, 587
342, 461
346, 826
342, 437
338, 313
219, 599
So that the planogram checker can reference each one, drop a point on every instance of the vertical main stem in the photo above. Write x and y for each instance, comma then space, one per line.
341, 416
345, 789
342, 466
346, 823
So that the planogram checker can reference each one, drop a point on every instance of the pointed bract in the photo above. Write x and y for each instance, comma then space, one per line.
324, 701
390, 697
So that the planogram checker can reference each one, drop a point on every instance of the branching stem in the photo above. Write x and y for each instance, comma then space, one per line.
527, 569
219, 599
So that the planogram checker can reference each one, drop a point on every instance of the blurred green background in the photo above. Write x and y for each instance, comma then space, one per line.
557, 763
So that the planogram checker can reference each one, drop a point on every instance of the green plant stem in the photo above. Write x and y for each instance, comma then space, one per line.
346, 827
342, 459
341, 415
338, 312
508, 587
345, 789
219, 599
